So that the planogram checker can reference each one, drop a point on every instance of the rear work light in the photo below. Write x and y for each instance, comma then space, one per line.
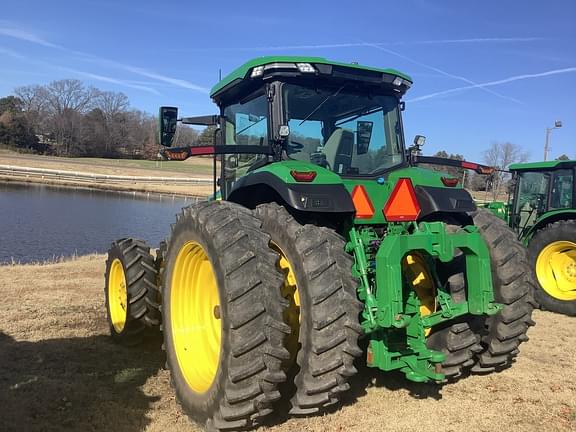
305, 67
257, 71
303, 176
450, 181
402, 206
362, 203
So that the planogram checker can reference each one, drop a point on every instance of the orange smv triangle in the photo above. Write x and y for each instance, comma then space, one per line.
362, 204
402, 204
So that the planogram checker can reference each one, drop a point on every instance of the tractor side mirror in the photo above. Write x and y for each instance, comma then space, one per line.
363, 136
167, 121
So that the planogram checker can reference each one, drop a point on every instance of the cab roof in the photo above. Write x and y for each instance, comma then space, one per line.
544, 165
242, 72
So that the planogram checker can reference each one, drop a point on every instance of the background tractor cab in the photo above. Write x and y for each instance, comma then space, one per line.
544, 192
542, 210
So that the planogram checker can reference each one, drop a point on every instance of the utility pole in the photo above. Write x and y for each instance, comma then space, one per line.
557, 125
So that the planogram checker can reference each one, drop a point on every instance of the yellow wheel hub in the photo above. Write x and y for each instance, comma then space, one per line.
117, 296
290, 293
195, 317
415, 269
556, 270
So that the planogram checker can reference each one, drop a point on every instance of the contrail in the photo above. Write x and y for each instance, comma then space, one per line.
435, 69
104, 78
78, 72
32, 38
390, 43
494, 83
26, 36
153, 75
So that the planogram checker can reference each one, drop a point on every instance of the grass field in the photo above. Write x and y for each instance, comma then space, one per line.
59, 370
193, 167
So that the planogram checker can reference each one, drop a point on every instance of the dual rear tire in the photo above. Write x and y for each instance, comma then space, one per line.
131, 291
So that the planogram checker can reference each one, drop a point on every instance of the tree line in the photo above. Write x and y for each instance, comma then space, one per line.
68, 118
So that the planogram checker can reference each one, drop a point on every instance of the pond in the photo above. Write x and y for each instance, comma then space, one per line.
39, 223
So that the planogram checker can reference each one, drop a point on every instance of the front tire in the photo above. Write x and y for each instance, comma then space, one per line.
222, 315
552, 252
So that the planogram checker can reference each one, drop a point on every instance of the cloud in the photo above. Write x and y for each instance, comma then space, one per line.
6, 29
440, 71
495, 83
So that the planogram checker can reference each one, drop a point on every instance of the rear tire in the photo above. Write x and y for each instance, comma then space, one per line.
130, 290
246, 371
514, 284
547, 297
329, 309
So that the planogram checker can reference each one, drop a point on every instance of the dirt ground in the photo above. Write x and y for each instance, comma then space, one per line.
59, 370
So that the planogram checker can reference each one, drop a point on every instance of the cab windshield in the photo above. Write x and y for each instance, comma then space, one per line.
347, 132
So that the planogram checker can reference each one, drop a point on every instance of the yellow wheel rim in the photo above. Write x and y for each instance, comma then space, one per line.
195, 317
290, 293
418, 276
556, 270
117, 296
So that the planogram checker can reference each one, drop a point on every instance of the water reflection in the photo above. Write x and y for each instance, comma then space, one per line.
40, 222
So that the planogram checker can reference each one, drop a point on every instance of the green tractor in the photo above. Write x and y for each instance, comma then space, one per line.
327, 245
542, 211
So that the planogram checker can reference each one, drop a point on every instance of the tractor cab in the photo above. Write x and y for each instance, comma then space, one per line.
541, 189
345, 118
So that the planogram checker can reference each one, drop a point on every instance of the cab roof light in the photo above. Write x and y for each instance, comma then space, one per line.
362, 203
402, 206
303, 176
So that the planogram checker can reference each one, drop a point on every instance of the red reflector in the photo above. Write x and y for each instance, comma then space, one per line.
402, 204
362, 203
449, 181
485, 170
303, 176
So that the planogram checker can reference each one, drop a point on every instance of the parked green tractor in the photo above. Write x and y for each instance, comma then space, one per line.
327, 238
542, 211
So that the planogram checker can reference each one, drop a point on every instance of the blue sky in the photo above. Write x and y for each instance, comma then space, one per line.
483, 70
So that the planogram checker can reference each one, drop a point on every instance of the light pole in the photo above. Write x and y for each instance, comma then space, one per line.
557, 124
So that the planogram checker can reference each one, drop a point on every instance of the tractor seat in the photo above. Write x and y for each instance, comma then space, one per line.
338, 150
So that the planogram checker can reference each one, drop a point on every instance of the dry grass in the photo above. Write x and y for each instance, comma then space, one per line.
192, 168
59, 370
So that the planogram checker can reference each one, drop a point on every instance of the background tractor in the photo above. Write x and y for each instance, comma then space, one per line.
327, 238
542, 211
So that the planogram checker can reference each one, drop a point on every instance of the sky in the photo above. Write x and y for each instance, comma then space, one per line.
484, 71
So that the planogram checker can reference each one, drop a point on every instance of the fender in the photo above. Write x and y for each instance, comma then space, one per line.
548, 218
267, 185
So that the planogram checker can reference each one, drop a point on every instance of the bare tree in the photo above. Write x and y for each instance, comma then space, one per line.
111, 103
34, 101
500, 155
185, 136
66, 101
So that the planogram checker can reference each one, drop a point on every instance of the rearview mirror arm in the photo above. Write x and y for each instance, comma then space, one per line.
211, 120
